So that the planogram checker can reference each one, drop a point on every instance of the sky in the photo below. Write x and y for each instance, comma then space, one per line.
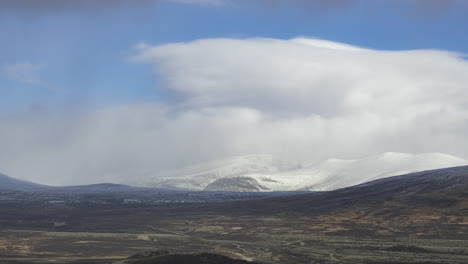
104, 91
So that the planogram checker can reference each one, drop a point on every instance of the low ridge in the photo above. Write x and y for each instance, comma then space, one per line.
10, 183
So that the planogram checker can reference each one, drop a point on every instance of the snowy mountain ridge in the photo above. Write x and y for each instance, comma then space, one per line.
197, 177
256, 173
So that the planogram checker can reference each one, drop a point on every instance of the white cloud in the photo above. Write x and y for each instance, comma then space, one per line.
302, 99
306, 76
23, 72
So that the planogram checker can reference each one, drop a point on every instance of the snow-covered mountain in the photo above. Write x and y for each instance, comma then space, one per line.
199, 176
266, 173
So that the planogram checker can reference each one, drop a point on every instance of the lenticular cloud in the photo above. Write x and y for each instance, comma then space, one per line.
305, 77
317, 96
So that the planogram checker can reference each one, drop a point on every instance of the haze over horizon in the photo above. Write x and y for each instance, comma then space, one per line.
92, 92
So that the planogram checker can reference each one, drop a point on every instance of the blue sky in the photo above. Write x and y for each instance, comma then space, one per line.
83, 53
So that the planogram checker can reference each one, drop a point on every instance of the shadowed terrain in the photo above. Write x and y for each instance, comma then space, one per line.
164, 257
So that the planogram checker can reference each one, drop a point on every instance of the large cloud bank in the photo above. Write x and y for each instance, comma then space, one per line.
302, 99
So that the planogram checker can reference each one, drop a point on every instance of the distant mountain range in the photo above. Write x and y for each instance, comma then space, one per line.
264, 173
8, 183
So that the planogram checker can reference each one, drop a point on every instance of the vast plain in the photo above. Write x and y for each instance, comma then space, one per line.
416, 218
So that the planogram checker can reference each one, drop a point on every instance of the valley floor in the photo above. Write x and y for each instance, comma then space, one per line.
263, 239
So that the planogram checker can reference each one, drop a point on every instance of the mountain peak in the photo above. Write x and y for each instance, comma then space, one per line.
199, 176
267, 173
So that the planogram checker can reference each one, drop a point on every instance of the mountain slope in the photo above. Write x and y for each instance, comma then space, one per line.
333, 174
384, 165
436, 189
257, 173
430, 204
9, 183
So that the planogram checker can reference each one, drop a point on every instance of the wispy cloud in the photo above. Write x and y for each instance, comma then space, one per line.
24, 72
